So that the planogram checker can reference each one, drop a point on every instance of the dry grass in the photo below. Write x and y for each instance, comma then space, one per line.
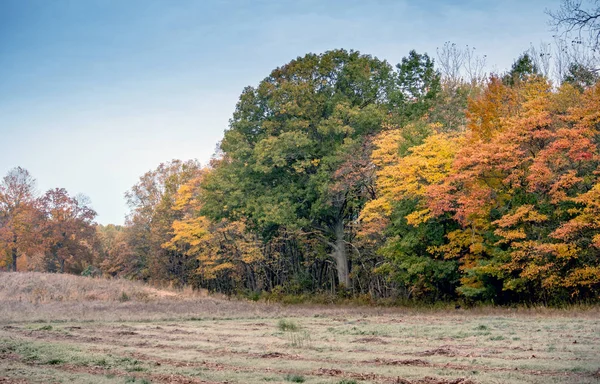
36, 287
180, 338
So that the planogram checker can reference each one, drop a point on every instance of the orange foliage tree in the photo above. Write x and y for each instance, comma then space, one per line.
19, 217
69, 231
523, 173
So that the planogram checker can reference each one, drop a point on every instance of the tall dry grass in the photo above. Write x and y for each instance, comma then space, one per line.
40, 288
34, 296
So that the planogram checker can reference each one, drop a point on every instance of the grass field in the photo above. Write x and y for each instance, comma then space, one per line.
169, 337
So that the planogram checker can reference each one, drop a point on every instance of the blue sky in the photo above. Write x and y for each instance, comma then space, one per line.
95, 93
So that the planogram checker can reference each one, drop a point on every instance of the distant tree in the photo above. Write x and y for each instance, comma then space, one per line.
451, 60
69, 231
521, 69
418, 86
150, 221
541, 57
19, 218
115, 256
462, 77
581, 76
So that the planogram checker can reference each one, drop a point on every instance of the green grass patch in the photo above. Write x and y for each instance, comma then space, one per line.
295, 378
54, 362
288, 325
57, 353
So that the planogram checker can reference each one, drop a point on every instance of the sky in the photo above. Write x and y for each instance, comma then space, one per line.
94, 93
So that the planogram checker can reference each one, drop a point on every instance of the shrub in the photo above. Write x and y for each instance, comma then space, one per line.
91, 271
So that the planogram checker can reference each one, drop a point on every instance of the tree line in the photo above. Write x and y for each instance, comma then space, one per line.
53, 232
341, 173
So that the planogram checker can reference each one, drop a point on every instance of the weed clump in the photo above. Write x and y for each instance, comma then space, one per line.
124, 297
300, 339
287, 325
295, 378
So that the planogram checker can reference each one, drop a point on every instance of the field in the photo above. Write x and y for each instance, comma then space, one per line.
57, 329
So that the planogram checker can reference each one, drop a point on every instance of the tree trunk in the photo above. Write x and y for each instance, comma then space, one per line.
14, 259
61, 261
340, 254
14, 253
251, 279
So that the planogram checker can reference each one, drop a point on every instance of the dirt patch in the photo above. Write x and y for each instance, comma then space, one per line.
331, 372
353, 375
375, 340
8, 380
434, 380
273, 355
412, 362
126, 333
442, 351
9, 357
180, 332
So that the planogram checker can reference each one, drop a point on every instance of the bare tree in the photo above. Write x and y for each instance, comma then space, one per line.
541, 57
577, 42
576, 20
460, 65
568, 55
561, 58
450, 61
474, 66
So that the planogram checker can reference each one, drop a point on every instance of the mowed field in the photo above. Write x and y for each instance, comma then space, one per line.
67, 329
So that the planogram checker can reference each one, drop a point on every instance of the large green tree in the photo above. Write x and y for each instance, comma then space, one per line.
289, 140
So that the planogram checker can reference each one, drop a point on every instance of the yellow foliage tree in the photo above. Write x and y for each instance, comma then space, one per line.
223, 250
